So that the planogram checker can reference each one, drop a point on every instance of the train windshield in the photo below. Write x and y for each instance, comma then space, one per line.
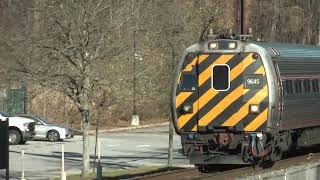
221, 77
188, 82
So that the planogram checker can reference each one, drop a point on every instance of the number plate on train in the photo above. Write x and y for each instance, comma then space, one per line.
253, 81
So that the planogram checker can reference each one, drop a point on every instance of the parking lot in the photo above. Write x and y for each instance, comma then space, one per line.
144, 147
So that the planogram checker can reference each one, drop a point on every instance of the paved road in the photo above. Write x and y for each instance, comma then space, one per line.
118, 150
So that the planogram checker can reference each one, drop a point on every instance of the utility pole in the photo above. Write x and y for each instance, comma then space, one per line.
134, 73
135, 117
240, 17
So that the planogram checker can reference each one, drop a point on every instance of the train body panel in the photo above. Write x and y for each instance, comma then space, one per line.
237, 102
299, 74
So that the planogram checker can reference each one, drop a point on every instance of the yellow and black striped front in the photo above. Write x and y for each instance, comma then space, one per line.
212, 109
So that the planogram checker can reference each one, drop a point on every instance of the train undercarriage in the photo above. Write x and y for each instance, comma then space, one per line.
241, 148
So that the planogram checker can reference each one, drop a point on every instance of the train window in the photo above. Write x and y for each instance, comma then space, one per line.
315, 85
292, 83
298, 87
287, 87
291, 88
306, 86
188, 82
302, 86
220, 77
311, 86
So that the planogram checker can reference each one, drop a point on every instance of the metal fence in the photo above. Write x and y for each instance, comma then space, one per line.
310, 171
13, 100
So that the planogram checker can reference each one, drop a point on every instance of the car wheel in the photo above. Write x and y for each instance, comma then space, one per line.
53, 135
22, 142
14, 137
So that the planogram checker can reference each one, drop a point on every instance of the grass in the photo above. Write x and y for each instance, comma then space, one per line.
124, 173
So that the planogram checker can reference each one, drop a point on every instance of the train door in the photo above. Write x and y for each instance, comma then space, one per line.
214, 78
232, 92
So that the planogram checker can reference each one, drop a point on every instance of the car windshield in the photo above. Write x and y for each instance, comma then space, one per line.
37, 118
45, 121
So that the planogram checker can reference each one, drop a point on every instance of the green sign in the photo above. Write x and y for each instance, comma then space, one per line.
13, 100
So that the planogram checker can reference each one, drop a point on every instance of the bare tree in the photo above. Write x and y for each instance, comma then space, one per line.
286, 20
275, 18
74, 38
172, 31
78, 47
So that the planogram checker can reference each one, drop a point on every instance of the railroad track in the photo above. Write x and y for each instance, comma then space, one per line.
194, 174
248, 171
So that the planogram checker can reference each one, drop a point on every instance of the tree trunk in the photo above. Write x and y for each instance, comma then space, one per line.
36, 16
85, 113
274, 20
85, 145
65, 109
319, 34
44, 103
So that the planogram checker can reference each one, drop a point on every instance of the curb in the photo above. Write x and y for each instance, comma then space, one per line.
132, 128
78, 171
92, 132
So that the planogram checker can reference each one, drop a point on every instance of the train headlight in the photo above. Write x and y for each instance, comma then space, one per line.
187, 108
259, 135
254, 108
213, 45
232, 45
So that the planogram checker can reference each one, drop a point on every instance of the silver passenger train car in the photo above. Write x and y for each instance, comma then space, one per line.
236, 102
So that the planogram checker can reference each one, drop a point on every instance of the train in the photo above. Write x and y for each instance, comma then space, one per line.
240, 102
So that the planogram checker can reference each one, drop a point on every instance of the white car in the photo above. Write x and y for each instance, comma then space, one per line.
47, 130
20, 129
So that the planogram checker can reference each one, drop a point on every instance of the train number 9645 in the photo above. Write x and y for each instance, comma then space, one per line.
253, 81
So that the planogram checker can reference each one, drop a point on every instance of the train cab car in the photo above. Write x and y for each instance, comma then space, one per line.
236, 102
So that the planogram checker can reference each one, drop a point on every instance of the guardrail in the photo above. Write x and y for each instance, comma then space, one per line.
310, 171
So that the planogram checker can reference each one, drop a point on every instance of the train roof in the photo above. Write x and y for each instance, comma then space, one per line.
291, 51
